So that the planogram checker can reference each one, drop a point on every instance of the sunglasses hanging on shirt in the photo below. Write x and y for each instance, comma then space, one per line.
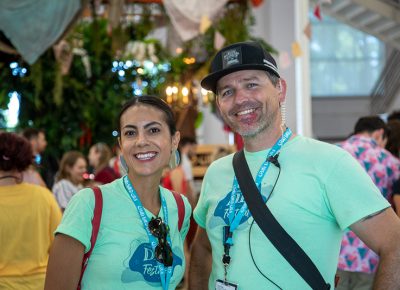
163, 251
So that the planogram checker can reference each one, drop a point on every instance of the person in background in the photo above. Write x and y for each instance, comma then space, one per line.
28, 216
70, 178
315, 190
393, 146
139, 245
395, 115
180, 179
116, 164
99, 158
187, 149
37, 140
357, 262
393, 143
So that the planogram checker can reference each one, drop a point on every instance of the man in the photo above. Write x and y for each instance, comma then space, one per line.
315, 192
358, 263
38, 142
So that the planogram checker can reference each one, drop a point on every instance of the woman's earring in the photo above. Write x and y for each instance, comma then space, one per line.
175, 159
123, 163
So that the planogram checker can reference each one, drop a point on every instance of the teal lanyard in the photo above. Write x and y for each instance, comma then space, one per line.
234, 220
165, 275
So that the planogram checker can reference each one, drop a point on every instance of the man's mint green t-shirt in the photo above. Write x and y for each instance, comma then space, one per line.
321, 191
122, 257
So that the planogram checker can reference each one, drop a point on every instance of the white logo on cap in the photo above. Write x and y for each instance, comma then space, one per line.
270, 65
230, 57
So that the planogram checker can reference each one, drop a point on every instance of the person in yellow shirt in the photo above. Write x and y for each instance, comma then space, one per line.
29, 214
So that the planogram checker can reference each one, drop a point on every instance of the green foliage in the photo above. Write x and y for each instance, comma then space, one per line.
77, 110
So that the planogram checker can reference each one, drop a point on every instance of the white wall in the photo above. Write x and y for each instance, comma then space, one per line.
280, 23
334, 118
212, 129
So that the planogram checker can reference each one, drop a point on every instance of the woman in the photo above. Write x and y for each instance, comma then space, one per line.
28, 215
175, 179
99, 157
70, 177
139, 245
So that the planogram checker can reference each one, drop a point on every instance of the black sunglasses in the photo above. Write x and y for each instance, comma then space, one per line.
163, 251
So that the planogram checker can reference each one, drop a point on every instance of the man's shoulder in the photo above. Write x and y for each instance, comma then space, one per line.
307, 145
221, 162
220, 165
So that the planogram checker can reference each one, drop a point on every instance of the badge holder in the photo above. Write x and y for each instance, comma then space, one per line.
226, 260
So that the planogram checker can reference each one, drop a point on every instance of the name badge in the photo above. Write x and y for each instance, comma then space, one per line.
221, 285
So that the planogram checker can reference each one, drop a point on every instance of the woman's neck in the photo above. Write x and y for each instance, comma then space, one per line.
10, 178
74, 182
147, 189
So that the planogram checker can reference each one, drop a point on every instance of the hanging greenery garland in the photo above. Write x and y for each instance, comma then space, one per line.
76, 94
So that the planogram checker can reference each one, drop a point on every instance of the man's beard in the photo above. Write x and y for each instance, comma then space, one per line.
264, 122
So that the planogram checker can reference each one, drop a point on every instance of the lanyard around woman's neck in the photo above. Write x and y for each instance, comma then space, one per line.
165, 276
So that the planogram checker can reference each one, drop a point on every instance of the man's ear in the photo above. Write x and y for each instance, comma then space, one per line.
282, 90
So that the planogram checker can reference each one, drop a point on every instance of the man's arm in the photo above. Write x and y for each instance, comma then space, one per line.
200, 261
381, 232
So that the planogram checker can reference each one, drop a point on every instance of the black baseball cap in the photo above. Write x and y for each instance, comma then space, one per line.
247, 55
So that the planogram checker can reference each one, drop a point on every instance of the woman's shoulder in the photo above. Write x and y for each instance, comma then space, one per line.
175, 199
62, 183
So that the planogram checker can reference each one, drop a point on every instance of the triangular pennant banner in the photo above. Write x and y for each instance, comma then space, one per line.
219, 40
205, 23
284, 60
307, 30
317, 12
296, 49
256, 3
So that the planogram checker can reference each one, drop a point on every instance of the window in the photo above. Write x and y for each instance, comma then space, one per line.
344, 61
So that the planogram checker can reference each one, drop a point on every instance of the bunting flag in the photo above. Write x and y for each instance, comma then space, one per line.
317, 12
63, 55
205, 23
256, 3
284, 60
219, 40
296, 49
307, 30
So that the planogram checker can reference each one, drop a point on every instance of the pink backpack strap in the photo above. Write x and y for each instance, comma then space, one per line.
98, 208
181, 208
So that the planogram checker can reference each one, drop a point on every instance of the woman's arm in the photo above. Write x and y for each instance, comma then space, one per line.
65, 263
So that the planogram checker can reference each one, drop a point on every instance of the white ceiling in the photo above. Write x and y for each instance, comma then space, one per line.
380, 18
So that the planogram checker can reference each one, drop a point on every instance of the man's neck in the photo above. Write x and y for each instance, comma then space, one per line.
263, 140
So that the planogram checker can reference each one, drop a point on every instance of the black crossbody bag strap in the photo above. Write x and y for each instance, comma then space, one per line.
277, 235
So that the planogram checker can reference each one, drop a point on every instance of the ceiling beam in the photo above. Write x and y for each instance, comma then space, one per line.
382, 8
360, 26
339, 5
